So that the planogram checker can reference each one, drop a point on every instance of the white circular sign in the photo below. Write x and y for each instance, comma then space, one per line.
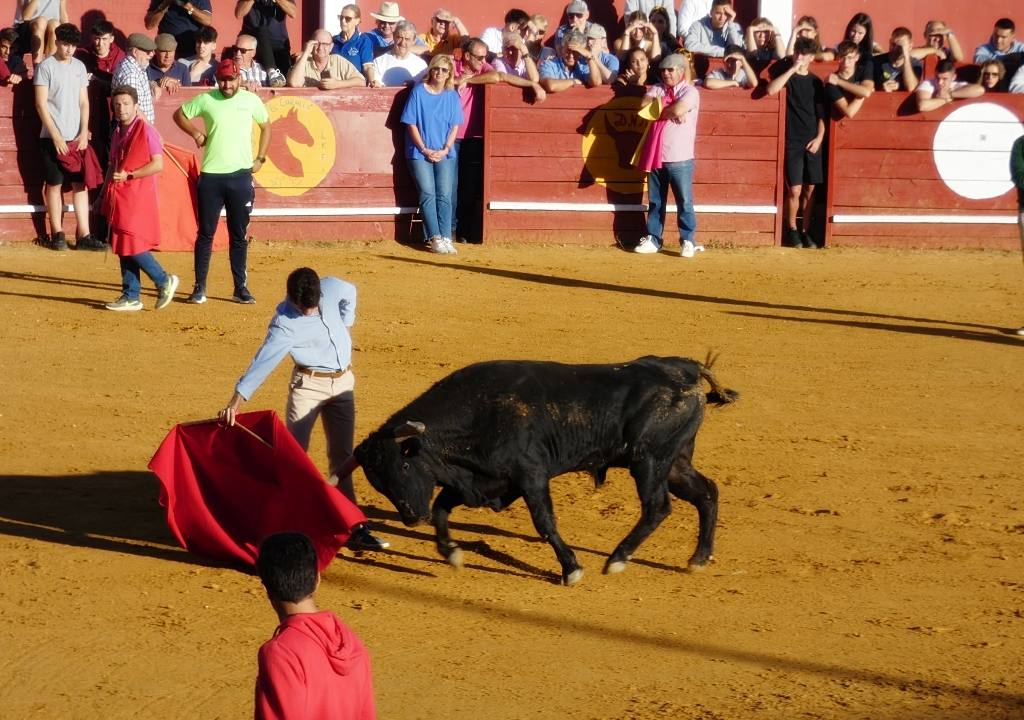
972, 150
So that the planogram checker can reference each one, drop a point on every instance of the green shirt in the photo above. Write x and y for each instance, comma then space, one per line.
229, 122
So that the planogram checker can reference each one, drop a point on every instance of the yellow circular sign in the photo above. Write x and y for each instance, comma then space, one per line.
610, 139
302, 147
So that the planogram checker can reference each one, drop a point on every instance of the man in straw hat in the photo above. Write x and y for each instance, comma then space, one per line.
383, 36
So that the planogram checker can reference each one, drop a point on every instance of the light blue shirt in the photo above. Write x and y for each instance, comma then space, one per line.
988, 51
319, 341
705, 39
556, 69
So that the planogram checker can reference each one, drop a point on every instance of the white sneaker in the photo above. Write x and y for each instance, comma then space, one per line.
687, 249
165, 294
646, 246
275, 78
437, 246
448, 247
1020, 331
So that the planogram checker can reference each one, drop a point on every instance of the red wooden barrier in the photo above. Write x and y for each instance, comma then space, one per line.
940, 179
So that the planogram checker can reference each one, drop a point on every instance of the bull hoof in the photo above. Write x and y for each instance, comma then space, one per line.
696, 565
455, 558
614, 568
572, 578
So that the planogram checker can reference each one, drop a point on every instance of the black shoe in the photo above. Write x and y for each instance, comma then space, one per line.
791, 238
363, 539
243, 296
807, 240
88, 242
54, 242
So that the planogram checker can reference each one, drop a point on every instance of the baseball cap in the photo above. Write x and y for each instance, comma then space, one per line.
227, 69
141, 41
165, 41
596, 31
576, 6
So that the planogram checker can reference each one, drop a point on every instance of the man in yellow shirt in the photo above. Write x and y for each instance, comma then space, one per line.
444, 37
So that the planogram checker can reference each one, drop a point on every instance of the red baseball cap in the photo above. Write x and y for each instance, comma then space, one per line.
227, 69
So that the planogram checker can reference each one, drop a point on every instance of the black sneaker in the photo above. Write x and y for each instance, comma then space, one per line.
807, 239
88, 242
363, 539
791, 238
54, 242
243, 296
198, 296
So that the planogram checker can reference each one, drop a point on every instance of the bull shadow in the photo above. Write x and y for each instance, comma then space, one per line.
572, 282
115, 511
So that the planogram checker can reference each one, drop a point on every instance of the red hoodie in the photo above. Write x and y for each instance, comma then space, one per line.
314, 667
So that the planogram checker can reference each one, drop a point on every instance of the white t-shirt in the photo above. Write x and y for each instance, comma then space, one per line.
393, 72
931, 85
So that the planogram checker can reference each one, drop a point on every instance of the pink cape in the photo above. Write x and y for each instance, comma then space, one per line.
226, 490
650, 156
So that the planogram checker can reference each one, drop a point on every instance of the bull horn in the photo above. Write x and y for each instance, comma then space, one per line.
408, 429
347, 467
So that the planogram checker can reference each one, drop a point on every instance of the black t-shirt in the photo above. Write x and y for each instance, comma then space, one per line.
805, 103
266, 13
860, 74
885, 70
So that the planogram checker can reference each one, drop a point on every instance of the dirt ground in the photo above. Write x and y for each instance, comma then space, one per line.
870, 554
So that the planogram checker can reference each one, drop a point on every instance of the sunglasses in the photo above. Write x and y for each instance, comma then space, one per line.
440, 69
442, 22
481, 58
990, 74
575, 15
347, 18
243, 51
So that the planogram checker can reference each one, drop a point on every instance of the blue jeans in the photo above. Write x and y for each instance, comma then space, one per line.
678, 175
436, 182
130, 267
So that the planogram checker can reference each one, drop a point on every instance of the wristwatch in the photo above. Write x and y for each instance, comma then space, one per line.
261, 158
131, 176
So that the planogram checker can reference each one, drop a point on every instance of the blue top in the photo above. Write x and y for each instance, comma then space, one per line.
556, 69
177, 72
358, 49
433, 115
268, 15
176, 20
988, 51
609, 61
320, 341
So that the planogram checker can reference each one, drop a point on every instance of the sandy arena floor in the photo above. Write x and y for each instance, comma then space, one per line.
870, 555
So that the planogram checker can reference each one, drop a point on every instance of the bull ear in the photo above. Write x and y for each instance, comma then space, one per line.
410, 447
408, 429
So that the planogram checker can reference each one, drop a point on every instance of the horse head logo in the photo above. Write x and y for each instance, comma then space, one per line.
288, 134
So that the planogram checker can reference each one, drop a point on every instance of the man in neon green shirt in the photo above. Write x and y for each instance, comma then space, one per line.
225, 180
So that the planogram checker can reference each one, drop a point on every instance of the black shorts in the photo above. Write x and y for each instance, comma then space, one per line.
803, 167
53, 172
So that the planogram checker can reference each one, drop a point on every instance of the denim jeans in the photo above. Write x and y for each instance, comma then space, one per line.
233, 192
678, 175
130, 267
436, 182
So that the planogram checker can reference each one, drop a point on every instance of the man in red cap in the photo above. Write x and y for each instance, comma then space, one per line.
225, 179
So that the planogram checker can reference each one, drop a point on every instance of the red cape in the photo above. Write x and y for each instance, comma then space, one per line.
179, 203
226, 490
130, 206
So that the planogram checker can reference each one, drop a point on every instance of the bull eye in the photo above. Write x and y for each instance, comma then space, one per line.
405, 467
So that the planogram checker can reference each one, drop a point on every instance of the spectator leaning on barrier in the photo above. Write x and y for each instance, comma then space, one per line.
63, 106
514, 59
493, 36
940, 40
668, 156
182, 20
944, 88
131, 71
1003, 42
432, 116
36, 22
574, 66
252, 75
202, 67
383, 36
130, 203
163, 70
763, 42
472, 72
647, 6
805, 131
850, 85
637, 69
714, 32
597, 44
991, 75
1017, 174
350, 43
266, 20
399, 66
690, 11
735, 72
12, 67
639, 34
318, 67
898, 69
444, 36
225, 178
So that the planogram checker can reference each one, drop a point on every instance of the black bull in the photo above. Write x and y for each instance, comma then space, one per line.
493, 432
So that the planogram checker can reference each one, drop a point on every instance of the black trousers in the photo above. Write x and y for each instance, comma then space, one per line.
469, 221
232, 192
270, 54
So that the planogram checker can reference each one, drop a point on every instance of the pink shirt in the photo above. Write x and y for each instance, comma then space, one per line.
472, 98
678, 139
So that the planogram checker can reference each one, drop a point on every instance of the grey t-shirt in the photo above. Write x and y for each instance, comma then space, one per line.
49, 9
64, 82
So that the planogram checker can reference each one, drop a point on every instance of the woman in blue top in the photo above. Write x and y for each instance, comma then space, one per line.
432, 116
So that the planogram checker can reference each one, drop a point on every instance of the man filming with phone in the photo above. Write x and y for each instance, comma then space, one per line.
182, 19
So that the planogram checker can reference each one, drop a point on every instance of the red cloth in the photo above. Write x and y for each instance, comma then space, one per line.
82, 160
131, 205
179, 202
314, 668
225, 491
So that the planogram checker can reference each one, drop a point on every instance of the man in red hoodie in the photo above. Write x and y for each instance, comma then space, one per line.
315, 666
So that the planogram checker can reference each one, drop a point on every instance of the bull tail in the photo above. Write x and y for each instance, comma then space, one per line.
719, 395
